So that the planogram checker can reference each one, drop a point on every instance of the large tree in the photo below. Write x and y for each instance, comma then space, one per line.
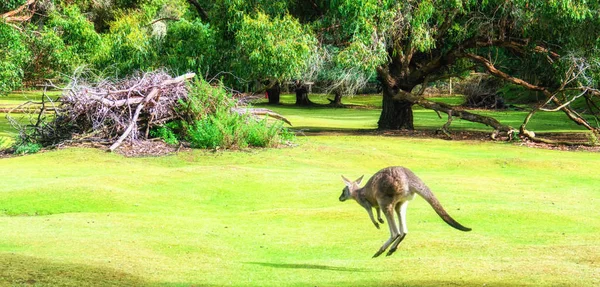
546, 46
549, 46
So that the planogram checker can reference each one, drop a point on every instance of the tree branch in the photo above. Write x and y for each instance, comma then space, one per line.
201, 11
462, 114
163, 19
494, 71
9, 16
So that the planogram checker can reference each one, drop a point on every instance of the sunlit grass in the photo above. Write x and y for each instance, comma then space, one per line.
19, 97
364, 111
81, 217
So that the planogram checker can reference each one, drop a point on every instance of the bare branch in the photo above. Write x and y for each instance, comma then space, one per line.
199, 9
9, 16
494, 71
261, 112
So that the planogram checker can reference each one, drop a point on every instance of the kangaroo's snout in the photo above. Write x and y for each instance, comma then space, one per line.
342, 198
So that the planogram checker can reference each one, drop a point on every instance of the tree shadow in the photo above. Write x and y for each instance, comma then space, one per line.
316, 106
19, 270
309, 266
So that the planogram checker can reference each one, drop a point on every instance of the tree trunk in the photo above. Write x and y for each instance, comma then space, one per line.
337, 101
273, 94
302, 96
395, 114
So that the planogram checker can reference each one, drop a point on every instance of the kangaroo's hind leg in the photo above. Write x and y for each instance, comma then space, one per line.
379, 215
388, 211
401, 212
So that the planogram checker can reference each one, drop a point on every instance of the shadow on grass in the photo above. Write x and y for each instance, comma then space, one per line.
19, 270
309, 266
316, 106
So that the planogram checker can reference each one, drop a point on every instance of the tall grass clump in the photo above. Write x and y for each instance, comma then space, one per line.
211, 118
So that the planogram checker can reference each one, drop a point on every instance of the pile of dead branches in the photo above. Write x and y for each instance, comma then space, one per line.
109, 113
126, 109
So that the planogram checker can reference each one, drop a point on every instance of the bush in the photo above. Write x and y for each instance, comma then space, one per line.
9, 5
210, 122
128, 47
188, 46
166, 133
26, 148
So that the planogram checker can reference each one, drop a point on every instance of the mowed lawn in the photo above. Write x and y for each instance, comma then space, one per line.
363, 113
271, 217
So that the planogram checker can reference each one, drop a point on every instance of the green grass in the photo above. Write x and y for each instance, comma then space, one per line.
368, 108
364, 114
271, 217
16, 98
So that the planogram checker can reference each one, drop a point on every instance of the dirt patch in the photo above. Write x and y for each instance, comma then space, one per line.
149, 148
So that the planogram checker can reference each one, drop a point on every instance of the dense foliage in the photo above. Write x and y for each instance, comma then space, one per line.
550, 47
210, 123
14, 53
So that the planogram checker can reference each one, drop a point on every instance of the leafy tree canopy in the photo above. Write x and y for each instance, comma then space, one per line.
548, 46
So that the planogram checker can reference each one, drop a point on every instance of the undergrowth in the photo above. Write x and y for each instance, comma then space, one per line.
208, 121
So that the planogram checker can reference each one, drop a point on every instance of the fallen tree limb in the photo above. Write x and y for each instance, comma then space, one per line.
496, 72
10, 15
261, 112
452, 111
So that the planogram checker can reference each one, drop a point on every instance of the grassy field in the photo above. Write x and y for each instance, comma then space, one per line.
365, 111
363, 114
83, 217
271, 217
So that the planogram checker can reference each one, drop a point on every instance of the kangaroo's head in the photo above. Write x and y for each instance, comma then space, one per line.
350, 190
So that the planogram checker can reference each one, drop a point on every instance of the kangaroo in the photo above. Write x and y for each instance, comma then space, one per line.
390, 189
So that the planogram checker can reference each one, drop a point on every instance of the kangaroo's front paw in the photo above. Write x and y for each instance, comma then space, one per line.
380, 220
376, 225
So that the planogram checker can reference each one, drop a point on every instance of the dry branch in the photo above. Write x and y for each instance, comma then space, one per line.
551, 96
10, 15
114, 111
261, 112
154, 93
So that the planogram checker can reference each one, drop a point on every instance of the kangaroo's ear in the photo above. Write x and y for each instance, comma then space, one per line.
359, 179
347, 181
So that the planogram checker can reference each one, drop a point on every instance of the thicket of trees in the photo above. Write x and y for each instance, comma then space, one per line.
551, 47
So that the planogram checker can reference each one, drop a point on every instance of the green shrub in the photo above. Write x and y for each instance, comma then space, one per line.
9, 5
167, 133
128, 47
210, 123
27, 148
205, 133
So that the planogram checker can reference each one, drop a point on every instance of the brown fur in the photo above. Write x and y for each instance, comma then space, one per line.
389, 190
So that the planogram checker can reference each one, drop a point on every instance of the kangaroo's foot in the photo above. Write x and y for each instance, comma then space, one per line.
395, 245
385, 245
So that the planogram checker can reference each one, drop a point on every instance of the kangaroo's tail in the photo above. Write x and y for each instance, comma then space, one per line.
426, 193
